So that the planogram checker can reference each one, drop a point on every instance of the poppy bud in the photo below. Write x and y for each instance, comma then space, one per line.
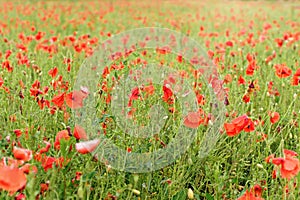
190, 193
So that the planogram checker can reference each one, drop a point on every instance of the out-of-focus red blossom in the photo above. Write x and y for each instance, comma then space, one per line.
6, 64
149, 89
253, 194
12, 179
61, 161
44, 187
246, 98
274, 117
251, 65
27, 168
20, 196
18, 132
79, 132
75, 99
47, 162
282, 71
279, 42
168, 95
295, 80
250, 126
238, 125
87, 146
53, 72
59, 99
229, 43
77, 177
22, 154
6, 161
241, 81
46, 148
193, 120
228, 78
64, 134
272, 91
290, 165
135, 94
1, 81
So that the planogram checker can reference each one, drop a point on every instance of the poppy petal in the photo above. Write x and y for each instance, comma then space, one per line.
87, 147
11, 179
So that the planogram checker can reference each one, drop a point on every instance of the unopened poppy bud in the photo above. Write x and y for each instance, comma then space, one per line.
136, 192
260, 166
190, 193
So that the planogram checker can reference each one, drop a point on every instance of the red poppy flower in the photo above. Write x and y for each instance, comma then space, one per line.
87, 147
282, 71
168, 95
20, 196
53, 72
250, 126
239, 124
22, 154
229, 43
249, 196
59, 136
45, 149
290, 166
75, 99
47, 162
193, 120
246, 98
274, 117
79, 133
295, 80
18, 132
7, 161
135, 94
149, 89
58, 100
11, 179
1, 81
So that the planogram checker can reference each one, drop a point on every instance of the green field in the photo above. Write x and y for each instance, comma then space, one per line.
254, 47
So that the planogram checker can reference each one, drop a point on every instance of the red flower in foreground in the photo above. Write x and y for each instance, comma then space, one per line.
282, 71
47, 162
22, 154
238, 125
79, 133
58, 100
290, 165
193, 120
12, 179
249, 196
274, 117
168, 95
87, 147
75, 99
59, 136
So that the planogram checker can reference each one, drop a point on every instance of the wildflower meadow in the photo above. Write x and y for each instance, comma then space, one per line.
162, 99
